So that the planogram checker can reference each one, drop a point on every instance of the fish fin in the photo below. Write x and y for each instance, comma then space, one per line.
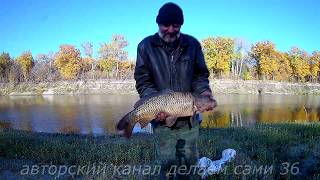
125, 124
170, 121
144, 99
128, 130
143, 124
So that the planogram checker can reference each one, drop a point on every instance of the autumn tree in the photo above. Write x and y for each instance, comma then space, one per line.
315, 65
284, 67
26, 62
87, 63
265, 54
4, 66
106, 65
126, 68
67, 61
218, 53
113, 53
299, 61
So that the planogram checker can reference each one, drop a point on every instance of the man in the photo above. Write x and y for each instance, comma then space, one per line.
172, 60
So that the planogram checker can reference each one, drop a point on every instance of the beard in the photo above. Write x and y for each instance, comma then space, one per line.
169, 37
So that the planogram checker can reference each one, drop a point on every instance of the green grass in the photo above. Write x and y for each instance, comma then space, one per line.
73, 149
263, 145
267, 145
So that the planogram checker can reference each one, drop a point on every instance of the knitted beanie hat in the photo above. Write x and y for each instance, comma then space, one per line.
170, 13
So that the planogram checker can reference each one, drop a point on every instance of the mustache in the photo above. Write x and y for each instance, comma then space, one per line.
171, 34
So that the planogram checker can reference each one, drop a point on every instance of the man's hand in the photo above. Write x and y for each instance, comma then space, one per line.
208, 93
161, 116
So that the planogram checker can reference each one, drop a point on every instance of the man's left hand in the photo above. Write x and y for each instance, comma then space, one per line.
208, 93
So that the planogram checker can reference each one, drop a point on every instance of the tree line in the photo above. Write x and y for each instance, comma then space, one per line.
231, 58
69, 64
225, 58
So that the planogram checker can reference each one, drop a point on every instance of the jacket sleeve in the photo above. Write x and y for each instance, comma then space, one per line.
142, 74
200, 81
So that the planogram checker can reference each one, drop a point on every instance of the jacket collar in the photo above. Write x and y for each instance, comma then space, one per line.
156, 40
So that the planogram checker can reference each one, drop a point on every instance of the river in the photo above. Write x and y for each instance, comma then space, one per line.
98, 114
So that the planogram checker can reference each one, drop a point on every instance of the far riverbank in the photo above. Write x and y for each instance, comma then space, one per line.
106, 86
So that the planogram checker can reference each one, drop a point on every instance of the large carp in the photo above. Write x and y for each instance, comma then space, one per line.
174, 104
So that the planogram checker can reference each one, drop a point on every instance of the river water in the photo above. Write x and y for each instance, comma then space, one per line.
98, 114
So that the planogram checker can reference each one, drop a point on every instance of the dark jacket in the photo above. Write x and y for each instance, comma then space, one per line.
183, 70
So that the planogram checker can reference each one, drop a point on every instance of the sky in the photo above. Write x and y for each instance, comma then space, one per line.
41, 26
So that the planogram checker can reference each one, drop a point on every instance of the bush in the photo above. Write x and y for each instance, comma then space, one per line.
4, 67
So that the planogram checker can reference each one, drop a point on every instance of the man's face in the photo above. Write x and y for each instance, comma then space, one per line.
169, 32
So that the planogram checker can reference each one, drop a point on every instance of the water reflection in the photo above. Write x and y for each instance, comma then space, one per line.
94, 114
248, 110
97, 114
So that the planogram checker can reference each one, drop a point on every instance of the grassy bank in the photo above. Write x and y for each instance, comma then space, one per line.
264, 145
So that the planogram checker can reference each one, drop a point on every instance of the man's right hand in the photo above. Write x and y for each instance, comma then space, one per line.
161, 116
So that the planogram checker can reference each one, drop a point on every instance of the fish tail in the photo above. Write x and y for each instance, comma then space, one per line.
125, 124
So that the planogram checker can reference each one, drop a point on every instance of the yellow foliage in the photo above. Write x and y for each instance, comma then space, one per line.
218, 53
25, 60
247, 75
111, 54
267, 59
125, 65
67, 61
300, 63
4, 62
315, 64
106, 65
285, 70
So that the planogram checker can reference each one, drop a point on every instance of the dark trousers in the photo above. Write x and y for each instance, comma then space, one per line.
176, 148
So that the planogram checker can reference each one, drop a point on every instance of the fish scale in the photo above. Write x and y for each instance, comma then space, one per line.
174, 104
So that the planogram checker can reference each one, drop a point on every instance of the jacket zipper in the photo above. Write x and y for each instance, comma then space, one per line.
172, 68
171, 64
